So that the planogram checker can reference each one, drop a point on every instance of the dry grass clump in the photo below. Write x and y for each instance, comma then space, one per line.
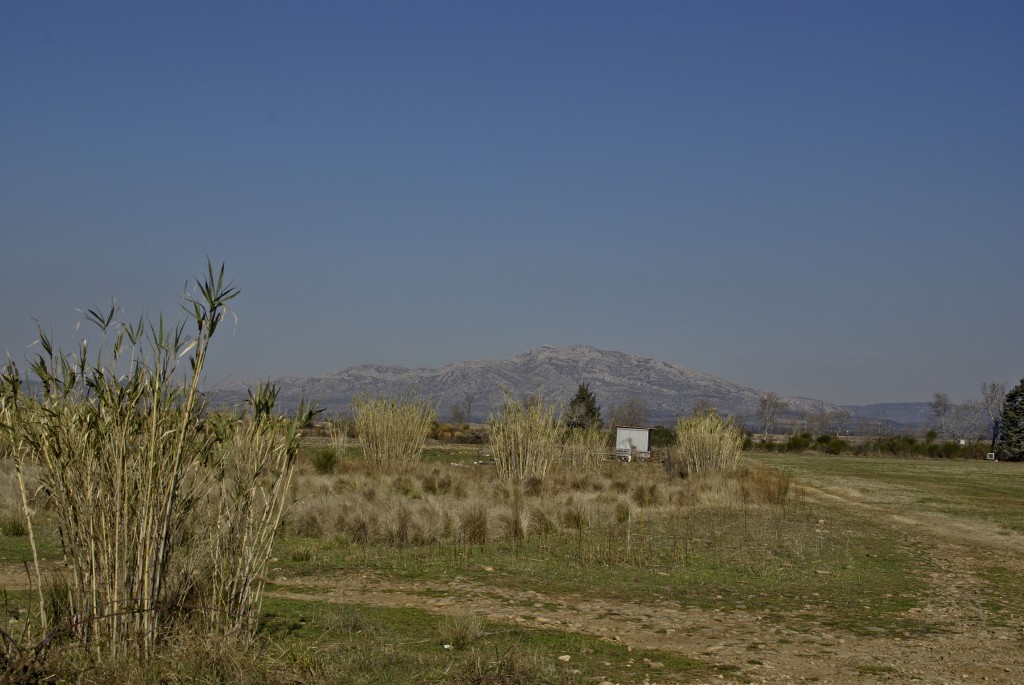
393, 430
514, 519
742, 488
706, 442
474, 523
761, 486
577, 514
525, 438
511, 667
460, 630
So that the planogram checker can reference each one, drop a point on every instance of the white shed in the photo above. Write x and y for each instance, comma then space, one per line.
632, 443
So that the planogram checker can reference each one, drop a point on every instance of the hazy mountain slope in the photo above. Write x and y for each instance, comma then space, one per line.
614, 376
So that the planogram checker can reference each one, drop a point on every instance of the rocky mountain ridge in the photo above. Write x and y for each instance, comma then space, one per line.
615, 377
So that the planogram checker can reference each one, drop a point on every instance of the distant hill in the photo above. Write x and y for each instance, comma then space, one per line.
615, 377
914, 414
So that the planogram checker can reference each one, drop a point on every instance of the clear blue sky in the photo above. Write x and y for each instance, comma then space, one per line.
820, 198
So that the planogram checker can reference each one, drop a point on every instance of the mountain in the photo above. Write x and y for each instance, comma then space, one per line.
615, 377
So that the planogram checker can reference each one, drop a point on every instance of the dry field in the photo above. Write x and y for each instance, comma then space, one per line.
795, 569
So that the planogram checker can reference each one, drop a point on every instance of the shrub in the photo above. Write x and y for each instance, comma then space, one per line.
834, 446
706, 442
393, 430
324, 459
798, 443
662, 436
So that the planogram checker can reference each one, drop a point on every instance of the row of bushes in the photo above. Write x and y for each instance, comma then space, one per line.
891, 445
804, 442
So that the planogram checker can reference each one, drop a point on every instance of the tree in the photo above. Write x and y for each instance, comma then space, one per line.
458, 413
966, 421
993, 395
583, 411
633, 412
841, 421
769, 406
941, 406
1010, 446
467, 401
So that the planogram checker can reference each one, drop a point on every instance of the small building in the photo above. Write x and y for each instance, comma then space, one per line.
632, 443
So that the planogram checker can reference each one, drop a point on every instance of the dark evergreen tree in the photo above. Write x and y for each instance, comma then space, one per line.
1011, 428
583, 411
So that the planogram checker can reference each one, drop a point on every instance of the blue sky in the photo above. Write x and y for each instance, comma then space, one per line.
819, 198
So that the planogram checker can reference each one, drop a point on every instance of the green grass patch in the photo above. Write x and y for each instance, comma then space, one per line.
783, 565
383, 645
992, 492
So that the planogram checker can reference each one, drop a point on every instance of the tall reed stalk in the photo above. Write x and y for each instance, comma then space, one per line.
584, 447
525, 438
254, 462
124, 461
13, 445
706, 442
393, 430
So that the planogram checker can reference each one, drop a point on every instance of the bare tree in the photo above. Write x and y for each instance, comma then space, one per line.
467, 402
458, 412
769, 406
841, 421
941, 406
821, 423
633, 412
993, 397
966, 421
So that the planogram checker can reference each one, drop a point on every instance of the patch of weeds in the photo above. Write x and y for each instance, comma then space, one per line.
13, 525
461, 630
324, 459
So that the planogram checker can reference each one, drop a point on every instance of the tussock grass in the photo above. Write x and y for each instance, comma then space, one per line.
445, 505
460, 630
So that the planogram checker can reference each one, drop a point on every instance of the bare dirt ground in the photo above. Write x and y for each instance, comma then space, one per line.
969, 647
